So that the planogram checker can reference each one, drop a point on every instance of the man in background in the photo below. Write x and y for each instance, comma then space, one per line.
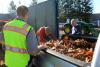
75, 29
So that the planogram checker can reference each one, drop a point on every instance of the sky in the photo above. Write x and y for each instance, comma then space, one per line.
96, 5
4, 4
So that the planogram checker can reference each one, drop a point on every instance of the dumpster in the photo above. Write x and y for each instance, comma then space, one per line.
54, 58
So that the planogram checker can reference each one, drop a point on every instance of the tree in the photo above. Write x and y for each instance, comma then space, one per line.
12, 7
81, 9
86, 10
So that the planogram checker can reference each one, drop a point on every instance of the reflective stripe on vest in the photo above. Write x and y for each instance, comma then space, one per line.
17, 29
14, 49
25, 26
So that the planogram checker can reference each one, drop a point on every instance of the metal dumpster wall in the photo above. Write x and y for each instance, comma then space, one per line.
43, 14
48, 60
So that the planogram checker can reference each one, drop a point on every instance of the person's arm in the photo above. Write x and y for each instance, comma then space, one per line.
32, 42
1, 37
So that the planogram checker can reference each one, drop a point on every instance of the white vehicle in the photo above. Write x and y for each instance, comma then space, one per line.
96, 55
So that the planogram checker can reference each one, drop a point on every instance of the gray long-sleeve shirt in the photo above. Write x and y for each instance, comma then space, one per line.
1, 37
32, 41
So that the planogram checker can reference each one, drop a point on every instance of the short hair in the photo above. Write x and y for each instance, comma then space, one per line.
73, 20
22, 10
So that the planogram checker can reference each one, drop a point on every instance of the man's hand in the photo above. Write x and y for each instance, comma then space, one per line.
42, 47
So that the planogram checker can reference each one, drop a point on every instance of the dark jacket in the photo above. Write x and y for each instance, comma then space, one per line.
77, 30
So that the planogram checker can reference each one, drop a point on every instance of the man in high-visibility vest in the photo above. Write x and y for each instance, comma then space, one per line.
20, 40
